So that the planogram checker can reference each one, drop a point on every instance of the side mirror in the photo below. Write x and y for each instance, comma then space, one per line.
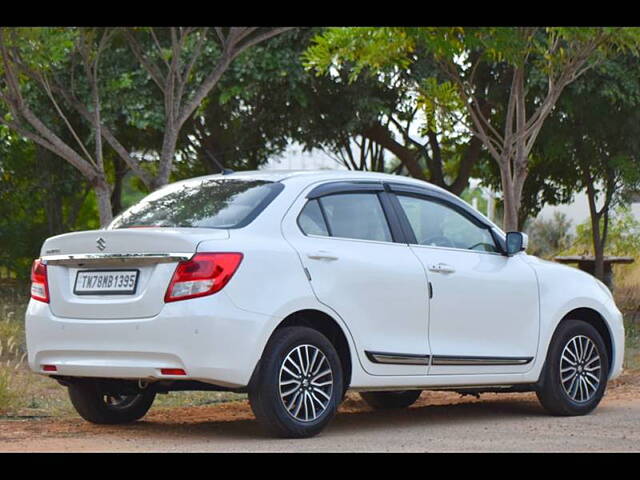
516, 242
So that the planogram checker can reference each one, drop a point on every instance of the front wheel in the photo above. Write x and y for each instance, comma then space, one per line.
99, 407
299, 383
575, 375
387, 400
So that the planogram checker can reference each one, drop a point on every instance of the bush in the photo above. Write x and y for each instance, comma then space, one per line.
548, 237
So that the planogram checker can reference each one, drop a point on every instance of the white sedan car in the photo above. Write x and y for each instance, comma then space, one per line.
296, 286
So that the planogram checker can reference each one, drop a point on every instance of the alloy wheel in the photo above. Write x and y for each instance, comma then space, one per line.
305, 383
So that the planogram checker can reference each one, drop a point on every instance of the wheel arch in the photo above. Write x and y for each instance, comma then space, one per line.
597, 321
330, 328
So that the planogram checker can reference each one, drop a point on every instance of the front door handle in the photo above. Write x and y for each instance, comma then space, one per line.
441, 268
322, 255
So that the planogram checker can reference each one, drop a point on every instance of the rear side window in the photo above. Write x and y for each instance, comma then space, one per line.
208, 203
350, 215
311, 220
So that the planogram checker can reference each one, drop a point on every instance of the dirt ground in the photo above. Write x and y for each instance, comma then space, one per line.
439, 421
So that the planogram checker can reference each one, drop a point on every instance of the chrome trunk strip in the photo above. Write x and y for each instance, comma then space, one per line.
115, 259
397, 358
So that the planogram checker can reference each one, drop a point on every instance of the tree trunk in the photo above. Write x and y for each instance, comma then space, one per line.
166, 157
103, 196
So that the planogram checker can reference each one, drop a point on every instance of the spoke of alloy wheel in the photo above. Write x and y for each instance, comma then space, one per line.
313, 360
293, 401
295, 365
297, 377
289, 382
590, 348
321, 374
302, 369
321, 384
573, 354
574, 387
306, 354
322, 360
588, 382
591, 361
289, 392
324, 394
299, 406
573, 364
595, 378
313, 407
313, 395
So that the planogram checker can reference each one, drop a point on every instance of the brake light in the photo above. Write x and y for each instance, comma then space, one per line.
39, 284
204, 274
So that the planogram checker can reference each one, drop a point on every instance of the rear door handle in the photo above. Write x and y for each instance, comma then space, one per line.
442, 268
322, 255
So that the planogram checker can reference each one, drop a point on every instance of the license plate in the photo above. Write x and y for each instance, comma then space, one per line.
106, 282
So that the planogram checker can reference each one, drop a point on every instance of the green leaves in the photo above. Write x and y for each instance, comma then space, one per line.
361, 48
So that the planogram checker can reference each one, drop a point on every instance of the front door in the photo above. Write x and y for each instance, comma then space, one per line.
484, 306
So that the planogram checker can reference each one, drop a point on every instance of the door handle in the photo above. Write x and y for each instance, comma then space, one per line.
322, 255
442, 268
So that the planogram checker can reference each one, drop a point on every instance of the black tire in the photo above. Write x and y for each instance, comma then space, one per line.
387, 400
95, 406
265, 390
553, 395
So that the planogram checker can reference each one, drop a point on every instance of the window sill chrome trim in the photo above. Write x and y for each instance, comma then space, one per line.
85, 259
442, 360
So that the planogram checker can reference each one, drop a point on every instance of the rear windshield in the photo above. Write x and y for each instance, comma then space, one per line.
208, 203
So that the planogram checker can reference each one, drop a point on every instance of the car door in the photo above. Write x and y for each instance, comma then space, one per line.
348, 242
483, 311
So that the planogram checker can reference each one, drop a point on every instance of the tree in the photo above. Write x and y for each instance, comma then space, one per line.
169, 57
29, 57
43, 58
559, 55
595, 135
439, 150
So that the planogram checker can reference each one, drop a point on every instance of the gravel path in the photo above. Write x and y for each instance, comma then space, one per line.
437, 422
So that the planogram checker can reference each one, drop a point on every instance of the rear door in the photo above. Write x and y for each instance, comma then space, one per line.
348, 240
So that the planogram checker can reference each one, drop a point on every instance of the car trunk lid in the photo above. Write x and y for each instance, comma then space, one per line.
148, 254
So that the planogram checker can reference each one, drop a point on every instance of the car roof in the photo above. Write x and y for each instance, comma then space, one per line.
312, 176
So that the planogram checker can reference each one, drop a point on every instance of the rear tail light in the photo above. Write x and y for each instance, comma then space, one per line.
49, 368
204, 274
39, 284
172, 371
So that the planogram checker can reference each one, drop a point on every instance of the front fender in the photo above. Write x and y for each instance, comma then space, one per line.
562, 291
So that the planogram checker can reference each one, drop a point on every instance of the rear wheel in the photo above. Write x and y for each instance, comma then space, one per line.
96, 406
299, 385
576, 370
386, 400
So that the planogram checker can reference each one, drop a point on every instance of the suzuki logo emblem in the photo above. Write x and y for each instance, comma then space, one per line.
102, 244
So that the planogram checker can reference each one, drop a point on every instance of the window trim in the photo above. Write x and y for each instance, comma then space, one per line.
355, 187
440, 199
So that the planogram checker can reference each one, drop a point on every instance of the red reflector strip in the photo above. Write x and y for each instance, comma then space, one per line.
49, 368
172, 371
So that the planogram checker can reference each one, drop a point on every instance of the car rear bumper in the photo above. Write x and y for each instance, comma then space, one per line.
209, 338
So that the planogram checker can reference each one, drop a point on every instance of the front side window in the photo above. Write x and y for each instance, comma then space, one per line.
204, 203
349, 215
435, 224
